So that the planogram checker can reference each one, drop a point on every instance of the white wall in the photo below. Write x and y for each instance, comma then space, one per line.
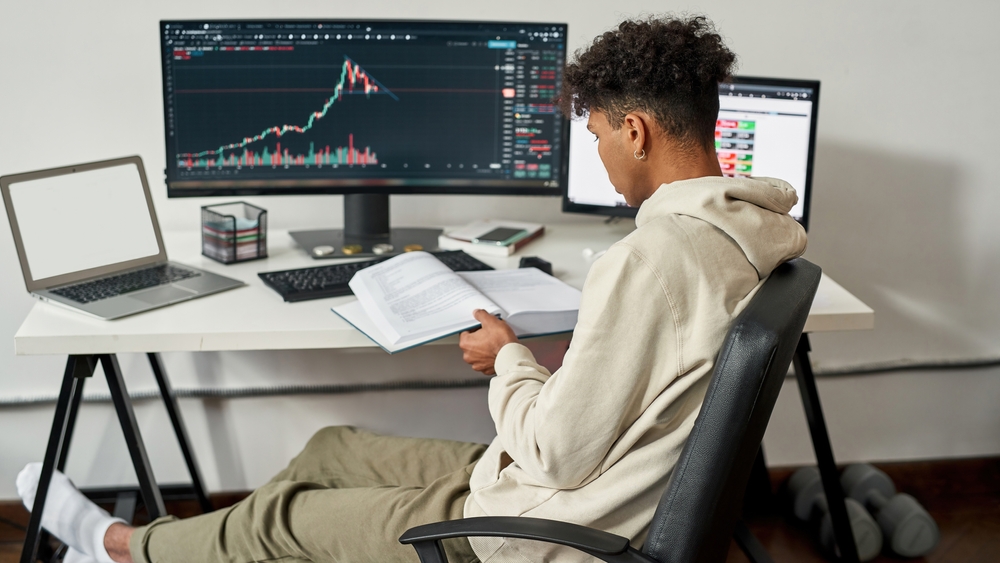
903, 216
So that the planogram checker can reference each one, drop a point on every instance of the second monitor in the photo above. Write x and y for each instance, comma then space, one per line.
765, 127
363, 108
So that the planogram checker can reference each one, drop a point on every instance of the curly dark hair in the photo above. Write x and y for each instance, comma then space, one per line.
669, 67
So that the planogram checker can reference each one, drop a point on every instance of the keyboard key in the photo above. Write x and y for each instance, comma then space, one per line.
104, 288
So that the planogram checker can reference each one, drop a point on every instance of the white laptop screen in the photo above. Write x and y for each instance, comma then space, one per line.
83, 220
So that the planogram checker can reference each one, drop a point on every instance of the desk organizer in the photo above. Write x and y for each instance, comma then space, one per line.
233, 232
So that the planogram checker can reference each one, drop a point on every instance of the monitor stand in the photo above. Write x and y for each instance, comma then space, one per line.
366, 224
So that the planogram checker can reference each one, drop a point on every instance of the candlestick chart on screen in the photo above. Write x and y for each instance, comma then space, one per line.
240, 153
307, 112
265, 108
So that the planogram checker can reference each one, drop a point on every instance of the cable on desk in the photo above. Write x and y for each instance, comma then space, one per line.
264, 391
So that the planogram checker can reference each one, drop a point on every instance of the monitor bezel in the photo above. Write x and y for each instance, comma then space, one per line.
621, 211
368, 186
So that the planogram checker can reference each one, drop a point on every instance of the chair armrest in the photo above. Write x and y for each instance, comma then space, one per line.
602, 545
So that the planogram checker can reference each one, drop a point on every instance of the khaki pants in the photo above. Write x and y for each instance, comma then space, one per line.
346, 498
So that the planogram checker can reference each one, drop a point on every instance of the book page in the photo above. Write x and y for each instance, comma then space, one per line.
533, 302
355, 315
415, 294
524, 290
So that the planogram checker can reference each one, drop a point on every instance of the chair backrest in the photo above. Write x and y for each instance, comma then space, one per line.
697, 514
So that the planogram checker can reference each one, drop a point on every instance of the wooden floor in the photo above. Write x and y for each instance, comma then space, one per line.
962, 495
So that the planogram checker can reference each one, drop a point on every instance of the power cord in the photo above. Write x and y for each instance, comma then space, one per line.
13, 524
263, 391
910, 365
340, 389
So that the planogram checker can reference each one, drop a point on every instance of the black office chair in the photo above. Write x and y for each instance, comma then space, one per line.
699, 512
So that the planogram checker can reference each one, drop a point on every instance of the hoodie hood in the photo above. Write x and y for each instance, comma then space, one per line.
751, 211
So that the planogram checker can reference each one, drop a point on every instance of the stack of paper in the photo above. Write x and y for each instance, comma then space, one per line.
219, 240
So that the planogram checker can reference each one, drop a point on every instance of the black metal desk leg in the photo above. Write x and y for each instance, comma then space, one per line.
126, 416
824, 453
84, 369
72, 387
173, 409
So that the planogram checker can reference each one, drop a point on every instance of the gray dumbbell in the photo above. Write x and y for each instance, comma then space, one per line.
805, 490
909, 529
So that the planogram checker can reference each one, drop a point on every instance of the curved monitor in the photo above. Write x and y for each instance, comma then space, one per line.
766, 127
371, 107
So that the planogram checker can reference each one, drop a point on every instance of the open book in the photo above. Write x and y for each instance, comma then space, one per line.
413, 299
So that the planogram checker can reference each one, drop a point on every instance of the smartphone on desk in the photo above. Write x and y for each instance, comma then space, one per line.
501, 236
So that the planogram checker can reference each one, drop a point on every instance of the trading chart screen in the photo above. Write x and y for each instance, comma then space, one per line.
765, 127
349, 107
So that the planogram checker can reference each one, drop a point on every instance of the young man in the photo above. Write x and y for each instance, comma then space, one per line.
592, 443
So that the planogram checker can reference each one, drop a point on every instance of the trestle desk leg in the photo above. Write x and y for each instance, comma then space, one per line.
84, 369
83, 372
174, 411
126, 416
824, 453
72, 387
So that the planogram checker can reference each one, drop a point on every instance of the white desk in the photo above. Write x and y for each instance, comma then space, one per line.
255, 318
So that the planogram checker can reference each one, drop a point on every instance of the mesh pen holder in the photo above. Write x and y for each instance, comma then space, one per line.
233, 232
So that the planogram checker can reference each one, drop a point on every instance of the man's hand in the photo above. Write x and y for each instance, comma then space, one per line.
481, 346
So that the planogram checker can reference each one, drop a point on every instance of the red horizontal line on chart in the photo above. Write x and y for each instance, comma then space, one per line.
325, 90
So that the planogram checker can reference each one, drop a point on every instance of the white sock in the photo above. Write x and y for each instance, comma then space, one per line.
74, 556
68, 515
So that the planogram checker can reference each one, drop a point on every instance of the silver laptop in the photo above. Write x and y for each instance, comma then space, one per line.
88, 239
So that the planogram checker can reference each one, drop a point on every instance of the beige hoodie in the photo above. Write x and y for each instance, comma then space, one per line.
594, 443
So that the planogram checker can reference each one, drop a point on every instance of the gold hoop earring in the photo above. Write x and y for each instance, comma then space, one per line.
639, 156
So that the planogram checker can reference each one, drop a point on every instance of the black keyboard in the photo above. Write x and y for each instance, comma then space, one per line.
331, 281
113, 286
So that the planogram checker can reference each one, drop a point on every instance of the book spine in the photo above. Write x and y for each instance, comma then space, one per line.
448, 243
520, 244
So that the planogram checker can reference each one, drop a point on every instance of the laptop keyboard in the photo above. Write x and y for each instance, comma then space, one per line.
113, 286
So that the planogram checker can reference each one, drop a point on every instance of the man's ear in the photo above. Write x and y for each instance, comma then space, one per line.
636, 131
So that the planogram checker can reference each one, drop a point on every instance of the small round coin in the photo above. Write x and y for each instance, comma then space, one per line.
413, 247
323, 250
382, 248
351, 249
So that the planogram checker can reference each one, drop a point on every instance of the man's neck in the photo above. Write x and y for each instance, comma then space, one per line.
691, 162
682, 165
